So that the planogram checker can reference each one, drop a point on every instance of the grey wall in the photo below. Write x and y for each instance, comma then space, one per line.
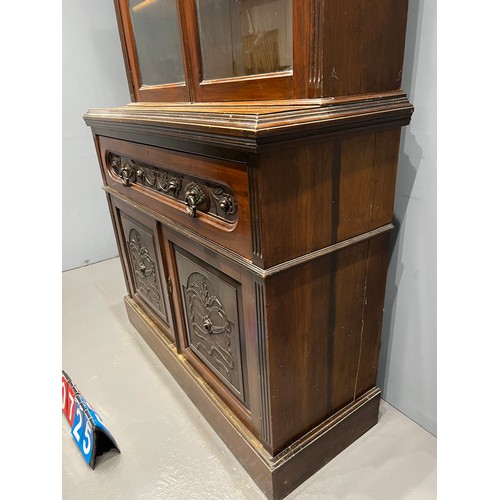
407, 373
93, 75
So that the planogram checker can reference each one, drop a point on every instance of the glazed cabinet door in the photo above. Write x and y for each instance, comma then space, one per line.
216, 50
257, 39
147, 280
153, 48
242, 49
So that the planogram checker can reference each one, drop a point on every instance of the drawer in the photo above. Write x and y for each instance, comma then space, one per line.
205, 195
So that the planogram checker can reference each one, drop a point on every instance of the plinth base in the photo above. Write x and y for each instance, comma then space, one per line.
277, 475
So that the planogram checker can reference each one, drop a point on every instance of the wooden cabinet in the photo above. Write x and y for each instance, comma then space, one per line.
251, 186
240, 50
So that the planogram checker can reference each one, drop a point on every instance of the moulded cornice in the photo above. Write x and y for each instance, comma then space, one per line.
252, 124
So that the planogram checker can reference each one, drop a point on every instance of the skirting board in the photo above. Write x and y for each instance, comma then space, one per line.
277, 475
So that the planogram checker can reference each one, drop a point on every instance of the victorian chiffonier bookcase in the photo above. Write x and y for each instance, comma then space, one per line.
251, 186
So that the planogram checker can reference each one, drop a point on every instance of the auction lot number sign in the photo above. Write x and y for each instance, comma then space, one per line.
88, 431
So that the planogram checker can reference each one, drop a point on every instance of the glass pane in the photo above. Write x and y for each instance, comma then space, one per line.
157, 41
245, 37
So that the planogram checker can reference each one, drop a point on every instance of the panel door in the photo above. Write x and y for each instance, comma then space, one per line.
211, 304
141, 253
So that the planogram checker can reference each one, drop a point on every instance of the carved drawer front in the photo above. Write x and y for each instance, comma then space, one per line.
211, 312
144, 267
208, 196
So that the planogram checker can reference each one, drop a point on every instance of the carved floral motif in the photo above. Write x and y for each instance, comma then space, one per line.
210, 329
144, 268
220, 201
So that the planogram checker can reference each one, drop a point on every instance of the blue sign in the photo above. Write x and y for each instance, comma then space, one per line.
87, 427
83, 431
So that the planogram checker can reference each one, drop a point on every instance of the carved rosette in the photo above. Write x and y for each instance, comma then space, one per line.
219, 200
210, 329
144, 268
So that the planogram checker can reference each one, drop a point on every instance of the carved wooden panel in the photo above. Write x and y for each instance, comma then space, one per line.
210, 302
143, 261
197, 194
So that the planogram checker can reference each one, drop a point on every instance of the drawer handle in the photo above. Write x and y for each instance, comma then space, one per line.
126, 173
196, 199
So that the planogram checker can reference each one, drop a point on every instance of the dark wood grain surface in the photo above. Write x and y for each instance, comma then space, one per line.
318, 343
266, 301
255, 125
234, 235
376, 275
340, 48
364, 46
307, 277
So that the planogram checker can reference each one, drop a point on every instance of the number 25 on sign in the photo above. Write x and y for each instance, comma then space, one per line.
86, 426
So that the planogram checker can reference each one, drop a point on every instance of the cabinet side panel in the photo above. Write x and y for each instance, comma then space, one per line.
355, 185
385, 167
350, 283
315, 195
298, 303
296, 196
323, 330
376, 275
364, 46
367, 182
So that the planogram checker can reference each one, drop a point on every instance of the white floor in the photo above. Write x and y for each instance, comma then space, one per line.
168, 451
